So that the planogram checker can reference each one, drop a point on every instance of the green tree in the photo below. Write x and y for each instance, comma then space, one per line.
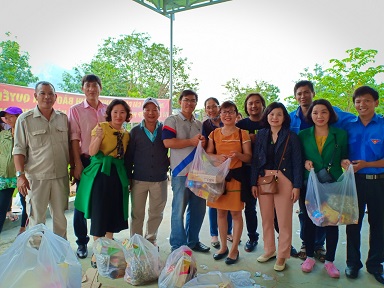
14, 65
338, 82
130, 66
237, 93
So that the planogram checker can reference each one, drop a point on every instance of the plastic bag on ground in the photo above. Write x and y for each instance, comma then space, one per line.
241, 279
143, 263
39, 258
180, 268
212, 279
205, 179
331, 204
110, 258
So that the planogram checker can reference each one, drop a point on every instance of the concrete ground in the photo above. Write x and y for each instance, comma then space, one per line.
292, 276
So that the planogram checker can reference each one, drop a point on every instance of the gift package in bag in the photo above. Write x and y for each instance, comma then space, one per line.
331, 204
110, 258
143, 261
212, 279
180, 268
206, 178
39, 258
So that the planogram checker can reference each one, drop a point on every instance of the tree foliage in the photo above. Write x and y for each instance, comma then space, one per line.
338, 82
14, 64
131, 66
237, 93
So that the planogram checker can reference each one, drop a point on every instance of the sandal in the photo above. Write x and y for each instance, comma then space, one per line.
216, 244
12, 217
303, 253
93, 263
320, 254
230, 238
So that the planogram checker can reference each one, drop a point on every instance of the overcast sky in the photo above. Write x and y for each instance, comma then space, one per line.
270, 40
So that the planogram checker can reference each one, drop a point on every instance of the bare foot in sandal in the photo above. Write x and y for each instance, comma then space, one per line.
12, 217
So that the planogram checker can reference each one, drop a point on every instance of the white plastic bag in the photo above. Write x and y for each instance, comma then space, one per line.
143, 261
110, 257
205, 179
212, 279
179, 268
331, 204
39, 258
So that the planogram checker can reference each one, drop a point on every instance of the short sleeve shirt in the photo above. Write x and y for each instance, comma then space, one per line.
44, 143
177, 126
109, 143
366, 142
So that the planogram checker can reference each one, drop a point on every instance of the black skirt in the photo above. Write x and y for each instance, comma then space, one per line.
107, 204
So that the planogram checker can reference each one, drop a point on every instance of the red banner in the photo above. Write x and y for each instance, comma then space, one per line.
22, 97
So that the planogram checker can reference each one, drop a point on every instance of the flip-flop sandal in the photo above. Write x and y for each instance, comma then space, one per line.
93, 263
320, 254
12, 217
303, 253
230, 239
216, 244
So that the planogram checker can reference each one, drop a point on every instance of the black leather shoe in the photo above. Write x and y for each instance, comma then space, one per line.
250, 245
230, 261
82, 251
200, 247
379, 276
351, 272
219, 256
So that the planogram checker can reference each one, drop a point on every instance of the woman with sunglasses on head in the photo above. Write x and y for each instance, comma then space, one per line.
234, 143
212, 109
277, 152
323, 146
103, 196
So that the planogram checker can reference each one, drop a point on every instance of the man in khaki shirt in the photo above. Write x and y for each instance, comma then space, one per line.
41, 155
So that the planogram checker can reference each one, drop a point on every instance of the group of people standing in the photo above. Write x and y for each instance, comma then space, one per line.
316, 135
112, 166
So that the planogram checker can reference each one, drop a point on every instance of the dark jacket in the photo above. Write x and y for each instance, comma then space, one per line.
146, 160
292, 164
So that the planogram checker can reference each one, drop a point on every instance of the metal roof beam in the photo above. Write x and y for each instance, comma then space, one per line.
167, 7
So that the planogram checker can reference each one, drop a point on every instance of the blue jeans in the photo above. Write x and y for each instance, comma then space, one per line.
183, 197
212, 213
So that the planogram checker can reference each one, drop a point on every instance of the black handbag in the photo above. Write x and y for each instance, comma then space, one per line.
323, 174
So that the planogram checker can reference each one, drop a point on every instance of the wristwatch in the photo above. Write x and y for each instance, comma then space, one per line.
19, 173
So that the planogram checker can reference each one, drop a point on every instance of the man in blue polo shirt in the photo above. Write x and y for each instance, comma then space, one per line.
366, 153
182, 133
304, 93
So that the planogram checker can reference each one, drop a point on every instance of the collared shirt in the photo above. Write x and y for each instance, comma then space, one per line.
151, 136
297, 125
82, 119
366, 142
44, 143
177, 126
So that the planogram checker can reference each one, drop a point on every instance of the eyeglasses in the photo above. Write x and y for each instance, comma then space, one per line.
228, 112
212, 107
119, 146
192, 101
